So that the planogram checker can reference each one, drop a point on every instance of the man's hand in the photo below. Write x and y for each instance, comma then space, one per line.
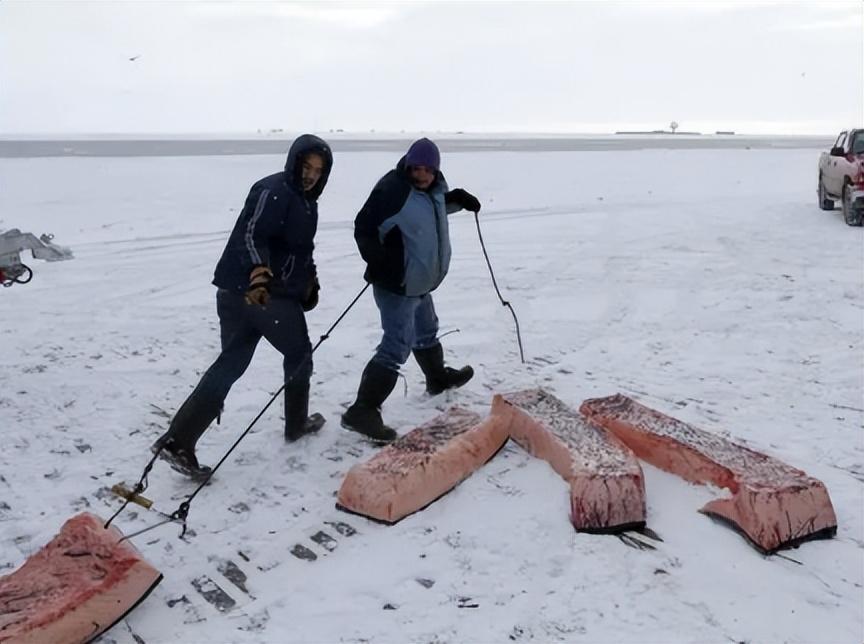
465, 199
259, 286
310, 298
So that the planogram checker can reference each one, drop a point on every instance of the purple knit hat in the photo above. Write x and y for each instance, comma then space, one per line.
423, 152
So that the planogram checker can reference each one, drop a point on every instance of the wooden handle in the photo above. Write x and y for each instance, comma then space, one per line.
125, 493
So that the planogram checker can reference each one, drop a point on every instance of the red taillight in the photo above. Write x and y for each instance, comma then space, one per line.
859, 178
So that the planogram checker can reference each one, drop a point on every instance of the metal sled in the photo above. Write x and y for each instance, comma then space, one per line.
14, 242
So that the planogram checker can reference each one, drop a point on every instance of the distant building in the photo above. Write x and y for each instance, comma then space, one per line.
661, 132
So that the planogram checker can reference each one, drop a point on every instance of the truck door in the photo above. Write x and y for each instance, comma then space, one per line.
833, 175
854, 146
856, 143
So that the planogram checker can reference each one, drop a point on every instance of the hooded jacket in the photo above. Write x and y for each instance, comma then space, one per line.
402, 233
277, 226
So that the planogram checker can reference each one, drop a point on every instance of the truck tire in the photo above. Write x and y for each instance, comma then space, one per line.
824, 202
850, 216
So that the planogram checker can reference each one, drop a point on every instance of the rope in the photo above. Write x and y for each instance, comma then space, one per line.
182, 510
140, 486
497, 290
170, 519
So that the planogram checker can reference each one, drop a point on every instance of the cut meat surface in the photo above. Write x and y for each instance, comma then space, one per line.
74, 588
607, 489
773, 504
421, 466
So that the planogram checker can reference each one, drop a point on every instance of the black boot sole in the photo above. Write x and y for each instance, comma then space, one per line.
440, 390
372, 439
314, 423
182, 466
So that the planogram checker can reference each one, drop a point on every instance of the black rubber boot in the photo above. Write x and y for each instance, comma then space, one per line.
298, 423
439, 377
188, 425
364, 416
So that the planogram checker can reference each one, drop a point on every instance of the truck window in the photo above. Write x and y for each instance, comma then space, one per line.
856, 146
840, 140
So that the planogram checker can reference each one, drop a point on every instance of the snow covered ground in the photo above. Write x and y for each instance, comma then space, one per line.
705, 283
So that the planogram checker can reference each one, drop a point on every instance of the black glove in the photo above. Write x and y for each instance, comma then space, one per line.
464, 199
310, 299
259, 286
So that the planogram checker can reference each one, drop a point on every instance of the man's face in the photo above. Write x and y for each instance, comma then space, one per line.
422, 176
313, 166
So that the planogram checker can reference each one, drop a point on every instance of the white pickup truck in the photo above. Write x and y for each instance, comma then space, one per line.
841, 176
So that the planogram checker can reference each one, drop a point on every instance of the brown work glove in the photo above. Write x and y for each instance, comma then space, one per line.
259, 286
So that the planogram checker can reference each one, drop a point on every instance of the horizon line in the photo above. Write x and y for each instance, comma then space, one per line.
286, 134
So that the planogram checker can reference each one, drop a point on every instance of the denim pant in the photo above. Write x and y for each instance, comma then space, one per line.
282, 323
409, 322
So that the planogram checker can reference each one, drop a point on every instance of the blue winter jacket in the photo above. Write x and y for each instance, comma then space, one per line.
402, 233
276, 227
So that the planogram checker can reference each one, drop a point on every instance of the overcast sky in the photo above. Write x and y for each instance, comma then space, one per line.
67, 66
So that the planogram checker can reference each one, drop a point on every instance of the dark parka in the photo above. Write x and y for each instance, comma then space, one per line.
402, 233
276, 227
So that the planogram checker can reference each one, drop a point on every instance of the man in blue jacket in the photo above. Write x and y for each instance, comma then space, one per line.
266, 279
403, 237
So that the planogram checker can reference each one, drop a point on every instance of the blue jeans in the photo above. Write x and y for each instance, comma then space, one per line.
409, 322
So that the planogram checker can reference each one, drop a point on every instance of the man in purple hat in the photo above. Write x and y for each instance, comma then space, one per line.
403, 237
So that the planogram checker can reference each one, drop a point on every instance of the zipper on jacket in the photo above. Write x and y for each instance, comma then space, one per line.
290, 260
438, 234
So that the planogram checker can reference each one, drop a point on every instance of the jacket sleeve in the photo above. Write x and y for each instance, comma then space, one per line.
366, 229
386, 199
264, 219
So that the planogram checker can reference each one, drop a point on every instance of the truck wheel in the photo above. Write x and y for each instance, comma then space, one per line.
850, 216
824, 202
